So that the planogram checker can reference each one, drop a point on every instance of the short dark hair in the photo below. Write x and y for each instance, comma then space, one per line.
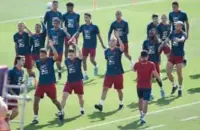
71, 51
43, 50
56, 19
88, 14
19, 57
144, 54
38, 25
70, 4
55, 1
175, 3
154, 16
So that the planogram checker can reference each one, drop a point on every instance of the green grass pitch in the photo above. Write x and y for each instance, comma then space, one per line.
171, 113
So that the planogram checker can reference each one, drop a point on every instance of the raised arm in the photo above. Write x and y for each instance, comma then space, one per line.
28, 31
110, 31
55, 53
121, 45
78, 52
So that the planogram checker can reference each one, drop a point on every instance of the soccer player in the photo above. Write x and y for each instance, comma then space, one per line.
90, 34
57, 35
15, 77
153, 24
74, 77
176, 57
163, 32
71, 20
52, 14
47, 81
152, 45
121, 26
114, 73
23, 48
178, 15
37, 41
145, 69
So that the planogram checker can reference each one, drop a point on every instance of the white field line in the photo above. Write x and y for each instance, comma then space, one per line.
155, 127
88, 10
128, 118
190, 118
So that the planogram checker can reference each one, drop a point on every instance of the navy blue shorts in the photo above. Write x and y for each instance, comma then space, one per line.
144, 93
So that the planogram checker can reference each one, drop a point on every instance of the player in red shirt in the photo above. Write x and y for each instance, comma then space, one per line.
145, 69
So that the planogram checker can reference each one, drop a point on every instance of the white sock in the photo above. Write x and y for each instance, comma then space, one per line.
161, 88
120, 102
132, 62
180, 88
85, 73
141, 113
143, 116
174, 84
36, 117
59, 71
82, 109
96, 66
101, 102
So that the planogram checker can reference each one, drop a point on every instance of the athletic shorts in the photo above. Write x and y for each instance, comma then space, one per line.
116, 80
49, 90
12, 101
166, 50
77, 87
35, 57
144, 93
59, 58
157, 65
176, 59
86, 52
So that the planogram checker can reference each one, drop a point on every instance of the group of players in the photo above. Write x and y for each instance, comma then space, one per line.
31, 50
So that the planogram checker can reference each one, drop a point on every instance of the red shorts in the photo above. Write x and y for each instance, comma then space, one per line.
166, 50
35, 57
86, 52
117, 80
50, 90
12, 101
59, 58
176, 59
77, 87
28, 62
67, 39
157, 65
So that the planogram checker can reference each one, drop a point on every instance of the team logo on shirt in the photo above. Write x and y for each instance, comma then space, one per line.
44, 69
151, 50
175, 19
36, 43
71, 68
174, 41
19, 81
70, 23
87, 34
111, 60
120, 32
55, 40
165, 34
21, 43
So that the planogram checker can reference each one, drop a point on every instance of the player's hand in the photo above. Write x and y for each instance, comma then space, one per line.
176, 39
41, 19
104, 47
51, 43
116, 34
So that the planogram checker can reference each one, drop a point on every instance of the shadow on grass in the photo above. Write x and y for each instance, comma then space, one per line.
163, 71
194, 90
100, 116
53, 123
196, 76
90, 82
165, 101
132, 126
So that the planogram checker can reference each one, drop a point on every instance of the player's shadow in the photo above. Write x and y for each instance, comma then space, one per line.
194, 90
196, 76
90, 82
100, 76
101, 116
165, 78
133, 106
34, 127
132, 126
163, 71
164, 101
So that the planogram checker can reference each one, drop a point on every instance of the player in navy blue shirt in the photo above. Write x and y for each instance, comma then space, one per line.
15, 77
114, 73
152, 24
57, 35
176, 57
52, 14
71, 21
122, 27
90, 33
47, 80
152, 45
74, 77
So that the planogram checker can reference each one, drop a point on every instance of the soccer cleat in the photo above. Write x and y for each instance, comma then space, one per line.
61, 116
98, 107
85, 77
96, 71
120, 107
179, 93
151, 98
34, 122
142, 122
162, 92
59, 75
82, 112
174, 89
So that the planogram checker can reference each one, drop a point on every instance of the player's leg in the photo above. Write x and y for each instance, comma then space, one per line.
93, 61
118, 85
58, 63
66, 92
140, 101
66, 50
36, 108
170, 76
180, 78
78, 89
81, 103
127, 55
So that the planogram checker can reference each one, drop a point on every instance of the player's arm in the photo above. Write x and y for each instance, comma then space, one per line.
78, 21
100, 38
10, 77
156, 75
78, 51
148, 28
55, 53
187, 25
110, 31
121, 45
135, 67
66, 32
44, 28
182, 39
28, 31
126, 29
76, 34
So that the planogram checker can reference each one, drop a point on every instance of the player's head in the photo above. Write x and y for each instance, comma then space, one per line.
175, 6
37, 28
152, 33
43, 53
155, 18
70, 7
55, 5
113, 42
144, 55
56, 23
118, 15
164, 18
20, 60
179, 25
87, 17
71, 54
20, 26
